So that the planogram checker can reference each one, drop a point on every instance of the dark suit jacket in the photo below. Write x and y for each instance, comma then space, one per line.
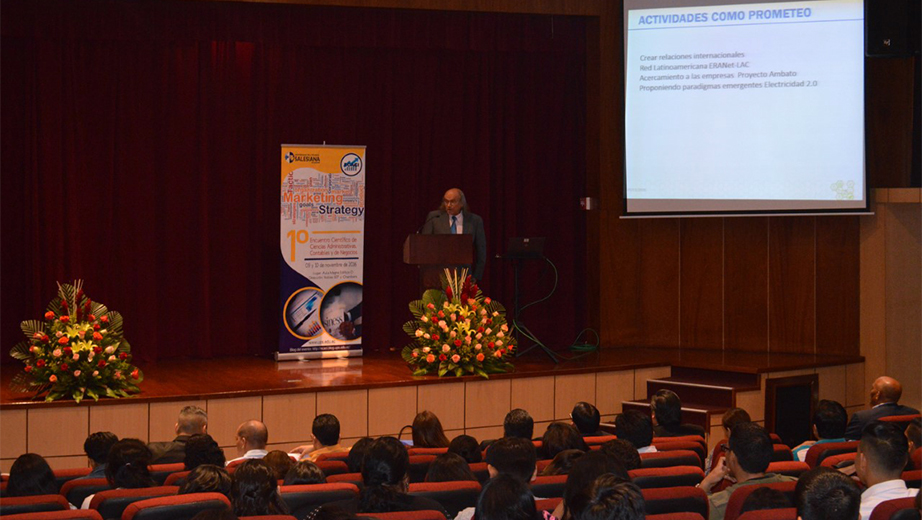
439, 223
862, 418
169, 452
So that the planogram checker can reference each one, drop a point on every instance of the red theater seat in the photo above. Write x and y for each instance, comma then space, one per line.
666, 477
64, 475
818, 452
776, 439
33, 504
663, 459
735, 504
549, 487
176, 507
913, 478
788, 513
789, 468
159, 472
173, 477
113, 502
332, 467
427, 451
70, 514
676, 516
684, 499
267, 517
75, 491
301, 500
896, 509
916, 458
782, 453
479, 469
454, 496
406, 515
671, 445
839, 461
342, 456
548, 504
347, 478
419, 466
599, 440
901, 420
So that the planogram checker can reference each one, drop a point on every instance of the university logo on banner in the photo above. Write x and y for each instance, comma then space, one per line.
322, 251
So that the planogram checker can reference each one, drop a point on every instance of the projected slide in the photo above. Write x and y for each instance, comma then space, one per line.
744, 107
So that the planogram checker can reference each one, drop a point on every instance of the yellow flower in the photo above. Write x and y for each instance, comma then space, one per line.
73, 330
81, 346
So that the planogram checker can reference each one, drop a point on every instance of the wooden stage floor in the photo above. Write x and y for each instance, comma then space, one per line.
239, 376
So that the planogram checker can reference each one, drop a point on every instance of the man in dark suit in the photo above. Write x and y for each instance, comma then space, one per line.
192, 420
885, 396
453, 217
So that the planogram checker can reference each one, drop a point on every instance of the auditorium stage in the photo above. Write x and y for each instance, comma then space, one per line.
377, 395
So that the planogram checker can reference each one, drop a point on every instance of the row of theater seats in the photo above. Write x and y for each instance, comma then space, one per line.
667, 479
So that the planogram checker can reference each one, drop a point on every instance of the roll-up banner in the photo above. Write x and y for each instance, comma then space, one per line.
322, 251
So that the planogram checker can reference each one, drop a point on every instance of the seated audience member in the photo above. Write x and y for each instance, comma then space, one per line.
563, 461
730, 418
517, 423
215, 514
624, 452
583, 474
357, 454
749, 451
765, 498
96, 447
279, 462
30, 475
879, 462
512, 456
428, 432
467, 447
127, 467
202, 449
506, 497
612, 498
386, 481
192, 420
636, 428
304, 472
914, 434
207, 478
586, 418
666, 408
561, 436
251, 439
449, 467
255, 490
825, 494
885, 396
325, 438
829, 422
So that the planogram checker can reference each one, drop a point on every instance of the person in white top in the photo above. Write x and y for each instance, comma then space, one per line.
252, 437
879, 463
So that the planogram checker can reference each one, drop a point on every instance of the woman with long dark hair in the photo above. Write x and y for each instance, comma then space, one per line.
428, 432
506, 497
127, 467
255, 490
30, 475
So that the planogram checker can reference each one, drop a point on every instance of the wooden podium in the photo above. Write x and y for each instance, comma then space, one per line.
434, 253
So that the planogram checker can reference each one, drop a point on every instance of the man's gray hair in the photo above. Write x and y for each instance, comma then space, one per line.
192, 420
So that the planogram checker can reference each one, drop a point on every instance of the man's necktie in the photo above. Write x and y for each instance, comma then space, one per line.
454, 225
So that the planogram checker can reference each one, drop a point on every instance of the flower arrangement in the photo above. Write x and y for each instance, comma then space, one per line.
77, 351
458, 331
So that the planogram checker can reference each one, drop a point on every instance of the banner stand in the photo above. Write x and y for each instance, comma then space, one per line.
322, 238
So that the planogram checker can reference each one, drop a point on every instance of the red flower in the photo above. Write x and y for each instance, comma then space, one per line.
489, 321
479, 329
97, 349
53, 378
64, 367
104, 319
64, 304
49, 315
45, 338
65, 318
91, 317
68, 351
96, 326
102, 363
449, 293
443, 357
97, 336
435, 337
123, 356
441, 314
480, 356
487, 300
28, 368
490, 344
134, 375
63, 340
457, 342
40, 363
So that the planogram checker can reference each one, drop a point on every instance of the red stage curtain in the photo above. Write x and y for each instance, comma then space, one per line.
140, 152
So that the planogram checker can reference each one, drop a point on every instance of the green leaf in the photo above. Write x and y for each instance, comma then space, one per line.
93, 394
421, 372
30, 327
111, 393
77, 395
53, 396
459, 372
468, 368
481, 373
22, 383
443, 370
410, 327
418, 308
21, 351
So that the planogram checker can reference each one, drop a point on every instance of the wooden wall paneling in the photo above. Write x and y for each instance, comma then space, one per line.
12, 433
746, 284
444, 400
163, 416
701, 299
642, 375
621, 285
226, 415
486, 403
534, 395
904, 299
873, 288
125, 421
289, 416
350, 407
837, 278
856, 389
47, 424
593, 160
390, 409
833, 385
658, 277
889, 84
74, 462
488, 432
611, 388
792, 284
570, 390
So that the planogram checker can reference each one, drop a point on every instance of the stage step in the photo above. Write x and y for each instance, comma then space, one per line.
691, 413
